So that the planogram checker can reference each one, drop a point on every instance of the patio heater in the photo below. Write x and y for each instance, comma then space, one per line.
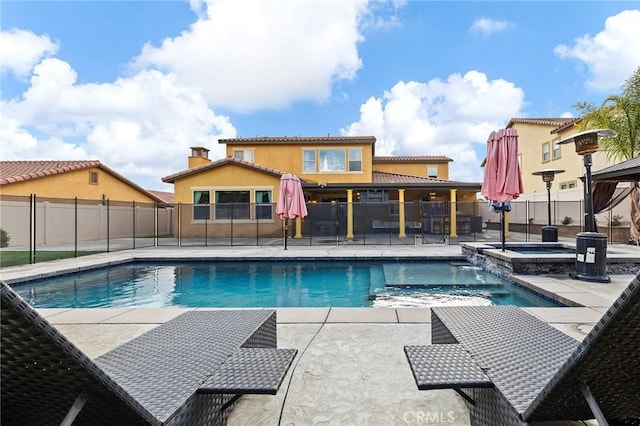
591, 246
549, 233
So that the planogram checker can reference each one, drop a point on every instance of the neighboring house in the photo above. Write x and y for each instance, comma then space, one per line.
76, 201
539, 149
87, 180
332, 169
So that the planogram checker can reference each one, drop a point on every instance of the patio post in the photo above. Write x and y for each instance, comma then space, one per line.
453, 225
401, 222
350, 214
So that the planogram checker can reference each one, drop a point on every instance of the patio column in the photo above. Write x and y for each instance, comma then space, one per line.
298, 228
453, 228
506, 224
350, 214
401, 224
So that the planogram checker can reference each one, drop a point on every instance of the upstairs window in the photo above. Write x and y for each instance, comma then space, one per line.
545, 152
93, 178
309, 160
556, 150
432, 172
244, 154
332, 160
355, 160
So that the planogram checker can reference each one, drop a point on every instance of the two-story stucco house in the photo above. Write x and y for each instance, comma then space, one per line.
241, 187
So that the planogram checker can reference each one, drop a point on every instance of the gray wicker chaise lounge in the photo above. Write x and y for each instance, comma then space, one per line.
512, 368
190, 370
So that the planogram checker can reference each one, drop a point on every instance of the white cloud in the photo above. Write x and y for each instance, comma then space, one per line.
247, 55
141, 126
488, 26
21, 50
452, 118
612, 55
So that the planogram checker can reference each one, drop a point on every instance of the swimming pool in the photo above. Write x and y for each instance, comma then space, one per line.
277, 284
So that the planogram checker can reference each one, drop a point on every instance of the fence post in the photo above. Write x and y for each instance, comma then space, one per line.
179, 224
134, 224
528, 224
155, 224
75, 226
108, 225
31, 228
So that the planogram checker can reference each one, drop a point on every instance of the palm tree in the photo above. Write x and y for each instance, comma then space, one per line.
622, 114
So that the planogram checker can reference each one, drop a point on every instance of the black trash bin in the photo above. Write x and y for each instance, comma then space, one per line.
591, 257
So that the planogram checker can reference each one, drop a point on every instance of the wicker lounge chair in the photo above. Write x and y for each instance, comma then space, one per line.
189, 370
512, 368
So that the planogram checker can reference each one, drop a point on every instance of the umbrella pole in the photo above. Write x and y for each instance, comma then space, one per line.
286, 231
502, 232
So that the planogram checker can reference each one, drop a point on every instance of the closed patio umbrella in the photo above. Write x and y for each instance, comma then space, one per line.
291, 204
502, 178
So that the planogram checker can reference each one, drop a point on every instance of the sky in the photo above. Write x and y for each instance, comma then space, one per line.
135, 84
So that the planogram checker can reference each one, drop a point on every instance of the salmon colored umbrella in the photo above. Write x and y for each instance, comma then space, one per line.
291, 202
502, 178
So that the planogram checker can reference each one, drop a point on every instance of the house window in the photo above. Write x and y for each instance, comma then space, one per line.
556, 150
355, 160
243, 154
567, 185
545, 151
233, 205
394, 208
374, 195
264, 206
332, 160
93, 178
309, 160
201, 201
432, 172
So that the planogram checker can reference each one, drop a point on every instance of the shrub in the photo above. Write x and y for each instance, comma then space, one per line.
4, 238
567, 220
615, 220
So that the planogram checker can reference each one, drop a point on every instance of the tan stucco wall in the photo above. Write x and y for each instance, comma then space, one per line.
414, 169
531, 137
76, 184
288, 159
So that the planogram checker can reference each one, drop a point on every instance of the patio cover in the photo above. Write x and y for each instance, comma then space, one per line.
605, 182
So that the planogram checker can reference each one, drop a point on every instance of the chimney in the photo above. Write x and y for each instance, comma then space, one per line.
198, 157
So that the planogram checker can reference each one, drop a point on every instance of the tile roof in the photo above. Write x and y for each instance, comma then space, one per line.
23, 170
546, 121
217, 163
19, 171
166, 197
566, 125
410, 158
395, 178
294, 140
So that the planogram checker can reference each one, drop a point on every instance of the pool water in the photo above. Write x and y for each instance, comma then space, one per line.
277, 284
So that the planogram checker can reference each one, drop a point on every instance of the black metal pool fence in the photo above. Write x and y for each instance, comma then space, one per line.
87, 226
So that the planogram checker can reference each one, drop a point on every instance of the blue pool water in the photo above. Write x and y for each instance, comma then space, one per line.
278, 284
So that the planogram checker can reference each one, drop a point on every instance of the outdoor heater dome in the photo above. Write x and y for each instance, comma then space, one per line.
587, 141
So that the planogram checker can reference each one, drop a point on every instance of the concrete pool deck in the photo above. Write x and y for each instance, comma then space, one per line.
351, 368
